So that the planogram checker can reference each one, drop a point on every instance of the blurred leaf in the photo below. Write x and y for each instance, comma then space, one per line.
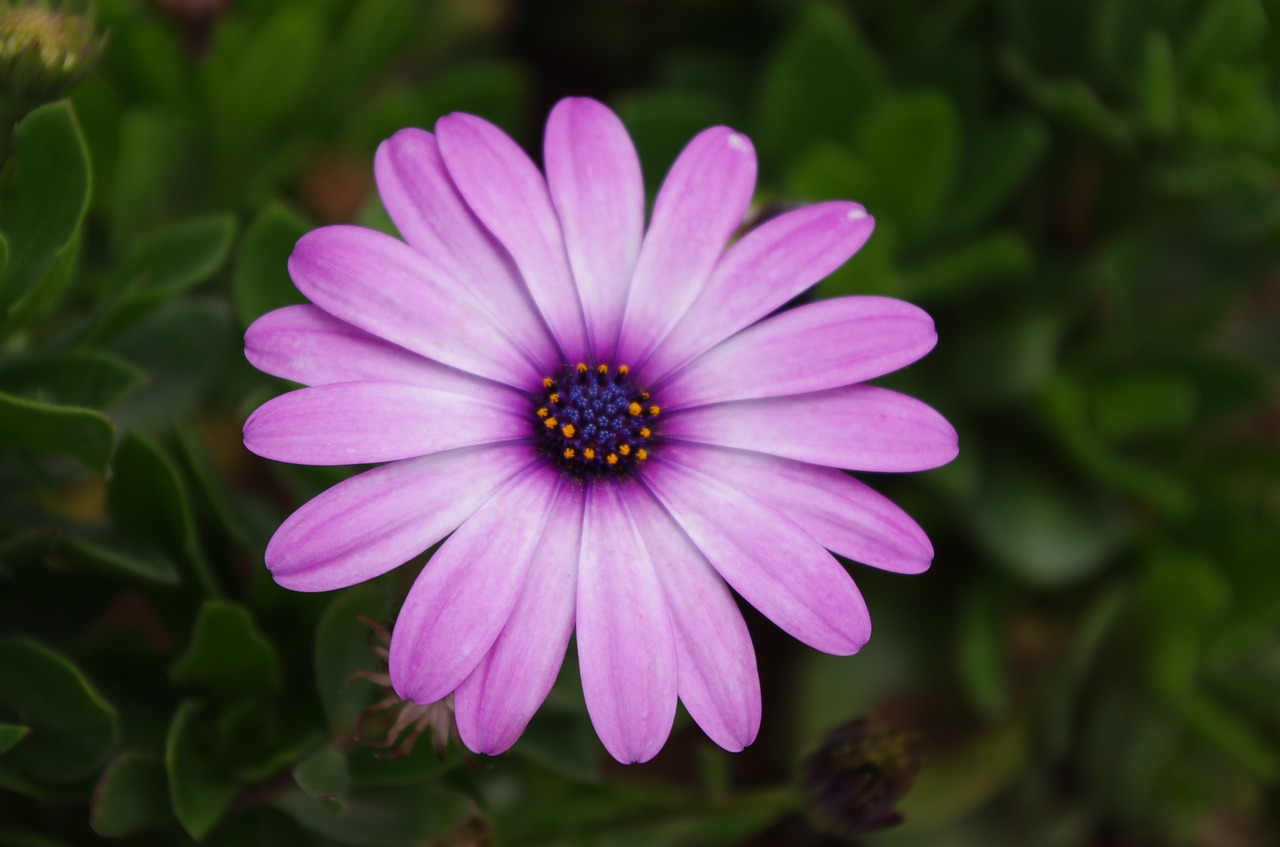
818, 85
77, 378
132, 794
1158, 81
662, 122
999, 160
150, 155
261, 280
388, 816
44, 200
106, 550
342, 647
974, 266
199, 790
912, 145
1142, 404
560, 740
11, 734
83, 434
325, 776
1234, 735
72, 728
228, 655
981, 650
149, 503
1072, 101
1040, 530
1227, 32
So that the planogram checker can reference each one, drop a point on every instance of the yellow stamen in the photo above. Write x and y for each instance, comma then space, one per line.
642, 454
582, 367
549, 423
602, 369
568, 430
633, 409
542, 413
547, 382
645, 432
588, 453
653, 410
554, 398
611, 459
625, 449
622, 370
568, 452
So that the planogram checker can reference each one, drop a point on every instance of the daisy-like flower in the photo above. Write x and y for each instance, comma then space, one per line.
599, 419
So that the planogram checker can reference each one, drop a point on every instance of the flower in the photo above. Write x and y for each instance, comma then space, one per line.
598, 419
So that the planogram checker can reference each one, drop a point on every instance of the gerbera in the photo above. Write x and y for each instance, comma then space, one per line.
599, 418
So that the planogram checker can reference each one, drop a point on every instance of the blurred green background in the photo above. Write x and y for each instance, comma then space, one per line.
1085, 194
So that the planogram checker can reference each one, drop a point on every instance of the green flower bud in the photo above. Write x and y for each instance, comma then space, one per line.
44, 51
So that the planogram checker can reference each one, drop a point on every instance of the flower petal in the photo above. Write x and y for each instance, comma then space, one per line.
717, 679
509, 196
427, 209
810, 348
841, 513
385, 287
307, 345
352, 423
860, 427
700, 205
464, 596
594, 176
375, 521
494, 704
773, 563
626, 647
770, 265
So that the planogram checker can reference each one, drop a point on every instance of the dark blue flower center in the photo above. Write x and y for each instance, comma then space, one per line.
595, 421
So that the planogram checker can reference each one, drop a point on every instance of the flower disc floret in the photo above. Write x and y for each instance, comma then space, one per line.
595, 421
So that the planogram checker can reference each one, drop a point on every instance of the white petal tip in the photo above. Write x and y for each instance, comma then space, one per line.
739, 142
857, 213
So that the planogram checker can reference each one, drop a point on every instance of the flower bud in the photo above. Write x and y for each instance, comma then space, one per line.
44, 51
857, 775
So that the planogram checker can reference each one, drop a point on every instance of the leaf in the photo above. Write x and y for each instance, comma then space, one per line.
106, 550
261, 281
999, 159
981, 650
1158, 81
386, 816
959, 781
342, 648
150, 151
78, 378
199, 790
82, 434
818, 85
132, 794
324, 775
560, 740
148, 502
912, 144
228, 655
1143, 404
44, 200
661, 122
72, 728
11, 734
972, 267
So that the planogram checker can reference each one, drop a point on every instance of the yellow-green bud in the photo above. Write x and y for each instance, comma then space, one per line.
44, 51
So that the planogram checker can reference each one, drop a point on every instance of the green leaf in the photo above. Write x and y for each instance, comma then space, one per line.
999, 159
72, 728
132, 794
974, 266
150, 153
199, 789
981, 650
82, 434
228, 655
44, 200
1142, 404
386, 816
818, 85
342, 647
11, 734
148, 501
1228, 32
912, 145
261, 280
661, 123
1159, 84
105, 550
324, 775
77, 378
559, 739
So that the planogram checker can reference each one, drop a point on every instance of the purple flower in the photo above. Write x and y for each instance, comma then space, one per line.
603, 417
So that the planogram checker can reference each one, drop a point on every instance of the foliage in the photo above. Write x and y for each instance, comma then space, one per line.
1086, 197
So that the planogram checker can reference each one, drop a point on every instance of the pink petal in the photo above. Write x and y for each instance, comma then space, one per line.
861, 427
626, 647
353, 423
494, 704
810, 348
716, 663
770, 265
434, 219
701, 203
387, 288
462, 599
840, 512
367, 525
774, 564
594, 177
508, 194
307, 345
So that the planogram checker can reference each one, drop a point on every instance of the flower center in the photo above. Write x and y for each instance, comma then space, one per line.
595, 421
